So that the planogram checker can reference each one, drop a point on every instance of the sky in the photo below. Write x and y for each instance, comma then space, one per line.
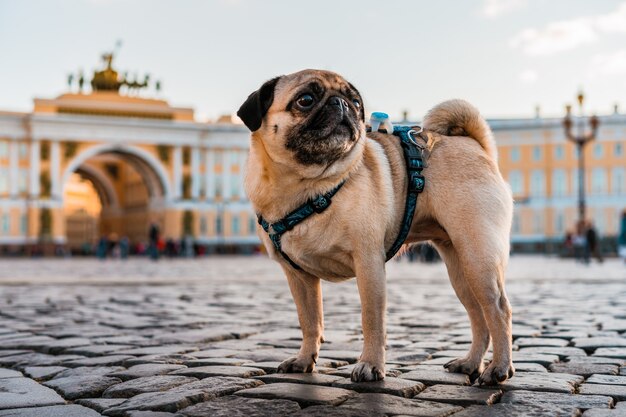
505, 56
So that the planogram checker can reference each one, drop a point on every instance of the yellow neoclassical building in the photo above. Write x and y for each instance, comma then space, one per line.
112, 160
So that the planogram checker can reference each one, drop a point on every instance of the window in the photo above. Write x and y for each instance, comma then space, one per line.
4, 180
517, 182
618, 150
558, 152
235, 225
6, 223
598, 151
537, 153
538, 223
537, 183
23, 224
22, 181
218, 225
618, 180
514, 154
23, 150
4, 149
559, 183
234, 186
516, 227
252, 224
218, 185
598, 181
559, 223
203, 225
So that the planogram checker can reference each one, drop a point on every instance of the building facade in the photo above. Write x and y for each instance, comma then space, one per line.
111, 162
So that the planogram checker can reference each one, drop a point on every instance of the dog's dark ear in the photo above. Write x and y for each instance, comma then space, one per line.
255, 107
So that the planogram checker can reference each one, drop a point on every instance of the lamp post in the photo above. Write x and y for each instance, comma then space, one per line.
580, 139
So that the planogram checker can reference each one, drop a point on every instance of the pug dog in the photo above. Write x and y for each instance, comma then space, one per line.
308, 136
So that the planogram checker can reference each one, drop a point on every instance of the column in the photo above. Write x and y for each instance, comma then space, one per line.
195, 173
226, 163
177, 174
35, 163
242, 171
13, 168
55, 169
209, 173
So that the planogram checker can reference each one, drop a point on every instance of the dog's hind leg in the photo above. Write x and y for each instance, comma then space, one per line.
483, 268
472, 363
306, 290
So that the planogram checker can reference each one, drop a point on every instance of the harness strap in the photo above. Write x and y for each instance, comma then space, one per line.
277, 229
414, 157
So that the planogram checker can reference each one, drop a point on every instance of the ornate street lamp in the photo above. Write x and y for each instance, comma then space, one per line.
580, 139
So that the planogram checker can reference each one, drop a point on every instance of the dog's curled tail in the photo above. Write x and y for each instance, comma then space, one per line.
459, 118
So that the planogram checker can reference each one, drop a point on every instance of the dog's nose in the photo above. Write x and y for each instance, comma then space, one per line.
338, 101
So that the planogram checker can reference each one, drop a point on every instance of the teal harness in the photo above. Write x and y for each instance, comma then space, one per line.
414, 158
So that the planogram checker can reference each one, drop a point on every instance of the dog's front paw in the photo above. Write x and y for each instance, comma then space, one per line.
365, 371
297, 364
465, 366
494, 374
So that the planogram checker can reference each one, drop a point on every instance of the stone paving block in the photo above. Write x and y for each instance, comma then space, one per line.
236, 406
385, 404
17, 392
592, 343
350, 356
74, 387
157, 350
300, 378
111, 360
12, 352
537, 381
561, 352
304, 395
9, 373
36, 359
538, 399
218, 362
43, 372
599, 412
407, 358
100, 404
619, 353
346, 371
51, 411
513, 410
436, 376
596, 359
331, 411
147, 369
606, 379
584, 369
541, 359
529, 367
460, 395
523, 342
142, 385
149, 414
174, 359
330, 363
618, 392
393, 386
89, 371
61, 345
215, 353
183, 396
96, 350
194, 336
208, 371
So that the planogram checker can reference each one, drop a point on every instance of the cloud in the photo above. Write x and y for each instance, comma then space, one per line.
528, 76
569, 34
608, 64
496, 8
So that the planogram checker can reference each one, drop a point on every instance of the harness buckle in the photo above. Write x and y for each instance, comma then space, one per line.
320, 203
416, 182
415, 164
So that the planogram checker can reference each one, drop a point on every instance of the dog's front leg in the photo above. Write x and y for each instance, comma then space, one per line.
306, 290
370, 278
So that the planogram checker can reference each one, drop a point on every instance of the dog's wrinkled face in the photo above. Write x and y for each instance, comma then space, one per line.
311, 117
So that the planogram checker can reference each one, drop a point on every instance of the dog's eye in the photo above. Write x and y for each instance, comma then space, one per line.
356, 103
305, 101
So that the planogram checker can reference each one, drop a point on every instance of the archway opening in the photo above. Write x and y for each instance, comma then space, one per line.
110, 200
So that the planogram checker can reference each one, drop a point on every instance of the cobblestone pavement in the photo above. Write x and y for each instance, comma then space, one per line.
192, 338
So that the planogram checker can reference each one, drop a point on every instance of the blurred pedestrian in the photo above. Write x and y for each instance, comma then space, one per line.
621, 240
593, 244
102, 248
153, 245
568, 244
124, 245
579, 242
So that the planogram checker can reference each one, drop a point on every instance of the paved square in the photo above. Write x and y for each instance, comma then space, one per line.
204, 337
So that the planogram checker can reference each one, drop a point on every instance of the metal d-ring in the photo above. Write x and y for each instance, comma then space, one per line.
413, 132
